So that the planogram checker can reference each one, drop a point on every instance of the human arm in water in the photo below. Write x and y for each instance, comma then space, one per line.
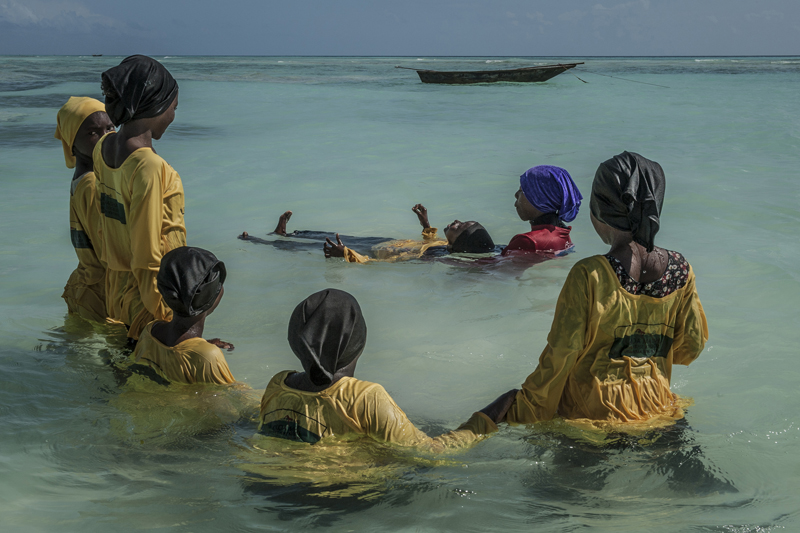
385, 421
338, 249
428, 233
219, 343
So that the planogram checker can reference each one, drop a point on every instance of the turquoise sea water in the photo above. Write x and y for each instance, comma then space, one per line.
350, 144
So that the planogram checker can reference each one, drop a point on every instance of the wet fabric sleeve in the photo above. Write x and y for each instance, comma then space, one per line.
206, 364
541, 393
354, 257
691, 328
85, 289
429, 234
383, 420
429, 238
191, 361
145, 221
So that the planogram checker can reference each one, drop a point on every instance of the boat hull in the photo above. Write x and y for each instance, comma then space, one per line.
519, 75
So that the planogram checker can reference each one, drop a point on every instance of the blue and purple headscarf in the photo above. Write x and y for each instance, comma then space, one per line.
551, 190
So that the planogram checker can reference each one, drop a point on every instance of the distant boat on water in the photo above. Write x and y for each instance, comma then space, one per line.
97, 55
522, 75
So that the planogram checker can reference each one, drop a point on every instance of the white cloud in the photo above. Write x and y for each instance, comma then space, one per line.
64, 14
768, 16
572, 16
538, 17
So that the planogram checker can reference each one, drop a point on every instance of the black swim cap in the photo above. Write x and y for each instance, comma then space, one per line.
190, 280
473, 240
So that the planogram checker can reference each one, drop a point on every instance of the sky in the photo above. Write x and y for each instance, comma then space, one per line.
401, 27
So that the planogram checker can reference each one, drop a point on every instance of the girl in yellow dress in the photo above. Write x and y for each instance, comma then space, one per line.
327, 333
140, 194
622, 319
82, 122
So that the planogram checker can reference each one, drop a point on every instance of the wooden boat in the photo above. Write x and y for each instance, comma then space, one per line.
521, 75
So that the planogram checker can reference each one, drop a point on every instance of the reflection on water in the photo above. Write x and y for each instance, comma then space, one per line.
667, 462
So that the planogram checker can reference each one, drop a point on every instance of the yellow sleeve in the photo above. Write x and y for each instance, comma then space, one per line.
541, 393
207, 364
352, 257
383, 420
429, 234
145, 220
691, 328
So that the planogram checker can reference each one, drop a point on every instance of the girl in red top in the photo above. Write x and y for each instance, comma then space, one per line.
547, 198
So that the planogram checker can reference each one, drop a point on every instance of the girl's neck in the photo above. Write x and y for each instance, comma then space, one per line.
550, 219
178, 330
82, 166
641, 265
301, 381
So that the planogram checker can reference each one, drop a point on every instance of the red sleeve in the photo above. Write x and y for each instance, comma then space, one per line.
523, 241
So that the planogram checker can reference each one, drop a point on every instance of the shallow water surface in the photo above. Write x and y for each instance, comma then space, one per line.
349, 145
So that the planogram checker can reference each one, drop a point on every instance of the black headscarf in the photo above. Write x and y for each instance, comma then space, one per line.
139, 87
473, 240
190, 279
327, 332
627, 194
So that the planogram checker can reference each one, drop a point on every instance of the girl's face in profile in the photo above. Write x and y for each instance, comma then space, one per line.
456, 228
606, 233
525, 210
165, 119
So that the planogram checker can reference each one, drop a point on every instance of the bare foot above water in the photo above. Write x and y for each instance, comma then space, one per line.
280, 229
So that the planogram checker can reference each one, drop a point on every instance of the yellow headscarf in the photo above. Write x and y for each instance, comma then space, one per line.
70, 117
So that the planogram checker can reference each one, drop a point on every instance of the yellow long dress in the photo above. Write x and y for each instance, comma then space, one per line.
352, 406
398, 250
142, 204
85, 290
609, 354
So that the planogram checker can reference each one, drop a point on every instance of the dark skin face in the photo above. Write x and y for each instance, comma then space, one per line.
93, 127
181, 328
137, 134
525, 209
456, 228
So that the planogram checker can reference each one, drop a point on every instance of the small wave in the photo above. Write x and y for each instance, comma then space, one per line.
495, 61
708, 60
785, 62
280, 61
421, 59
